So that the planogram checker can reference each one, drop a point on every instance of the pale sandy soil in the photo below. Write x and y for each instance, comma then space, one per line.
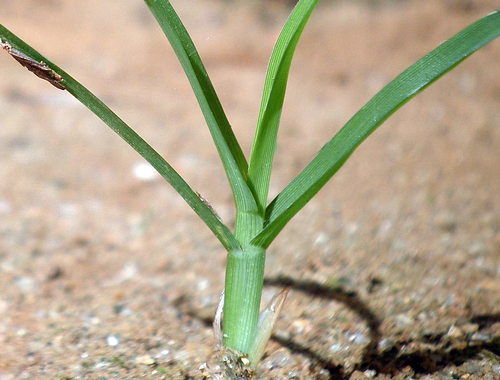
108, 275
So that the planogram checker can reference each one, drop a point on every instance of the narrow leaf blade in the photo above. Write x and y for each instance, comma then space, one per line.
405, 86
130, 136
230, 152
188, 56
264, 145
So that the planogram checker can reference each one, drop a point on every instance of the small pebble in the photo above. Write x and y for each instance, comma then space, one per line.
370, 373
279, 359
301, 326
336, 347
403, 321
128, 272
469, 328
496, 368
5, 207
112, 341
25, 284
202, 284
163, 353
358, 375
480, 337
322, 239
358, 338
144, 172
4, 307
145, 359
476, 249
351, 228
385, 344
455, 333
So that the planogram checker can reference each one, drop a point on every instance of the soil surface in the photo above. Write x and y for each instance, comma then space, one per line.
105, 273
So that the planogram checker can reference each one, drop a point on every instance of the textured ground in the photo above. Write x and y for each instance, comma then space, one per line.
106, 274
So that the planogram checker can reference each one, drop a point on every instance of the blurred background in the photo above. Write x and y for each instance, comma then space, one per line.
93, 244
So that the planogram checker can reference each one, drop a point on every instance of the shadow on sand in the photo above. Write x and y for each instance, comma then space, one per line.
391, 361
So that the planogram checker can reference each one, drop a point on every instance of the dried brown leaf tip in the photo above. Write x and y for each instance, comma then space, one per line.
207, 203
40, 69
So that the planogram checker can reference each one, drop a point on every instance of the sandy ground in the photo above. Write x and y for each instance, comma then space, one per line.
105, 273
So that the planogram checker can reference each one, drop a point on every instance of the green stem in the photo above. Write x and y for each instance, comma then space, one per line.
243, 290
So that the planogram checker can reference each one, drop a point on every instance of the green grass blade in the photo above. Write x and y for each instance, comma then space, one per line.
189, 58
248, 222
264, 145
126, 133
405, 86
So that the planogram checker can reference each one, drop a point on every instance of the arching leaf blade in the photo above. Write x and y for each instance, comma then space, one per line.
230, 152
131, 137
405, 86
264, 145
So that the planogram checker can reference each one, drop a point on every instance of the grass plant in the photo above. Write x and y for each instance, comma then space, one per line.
258, 222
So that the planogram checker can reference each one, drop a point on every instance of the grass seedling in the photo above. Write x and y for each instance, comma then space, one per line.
244, 334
